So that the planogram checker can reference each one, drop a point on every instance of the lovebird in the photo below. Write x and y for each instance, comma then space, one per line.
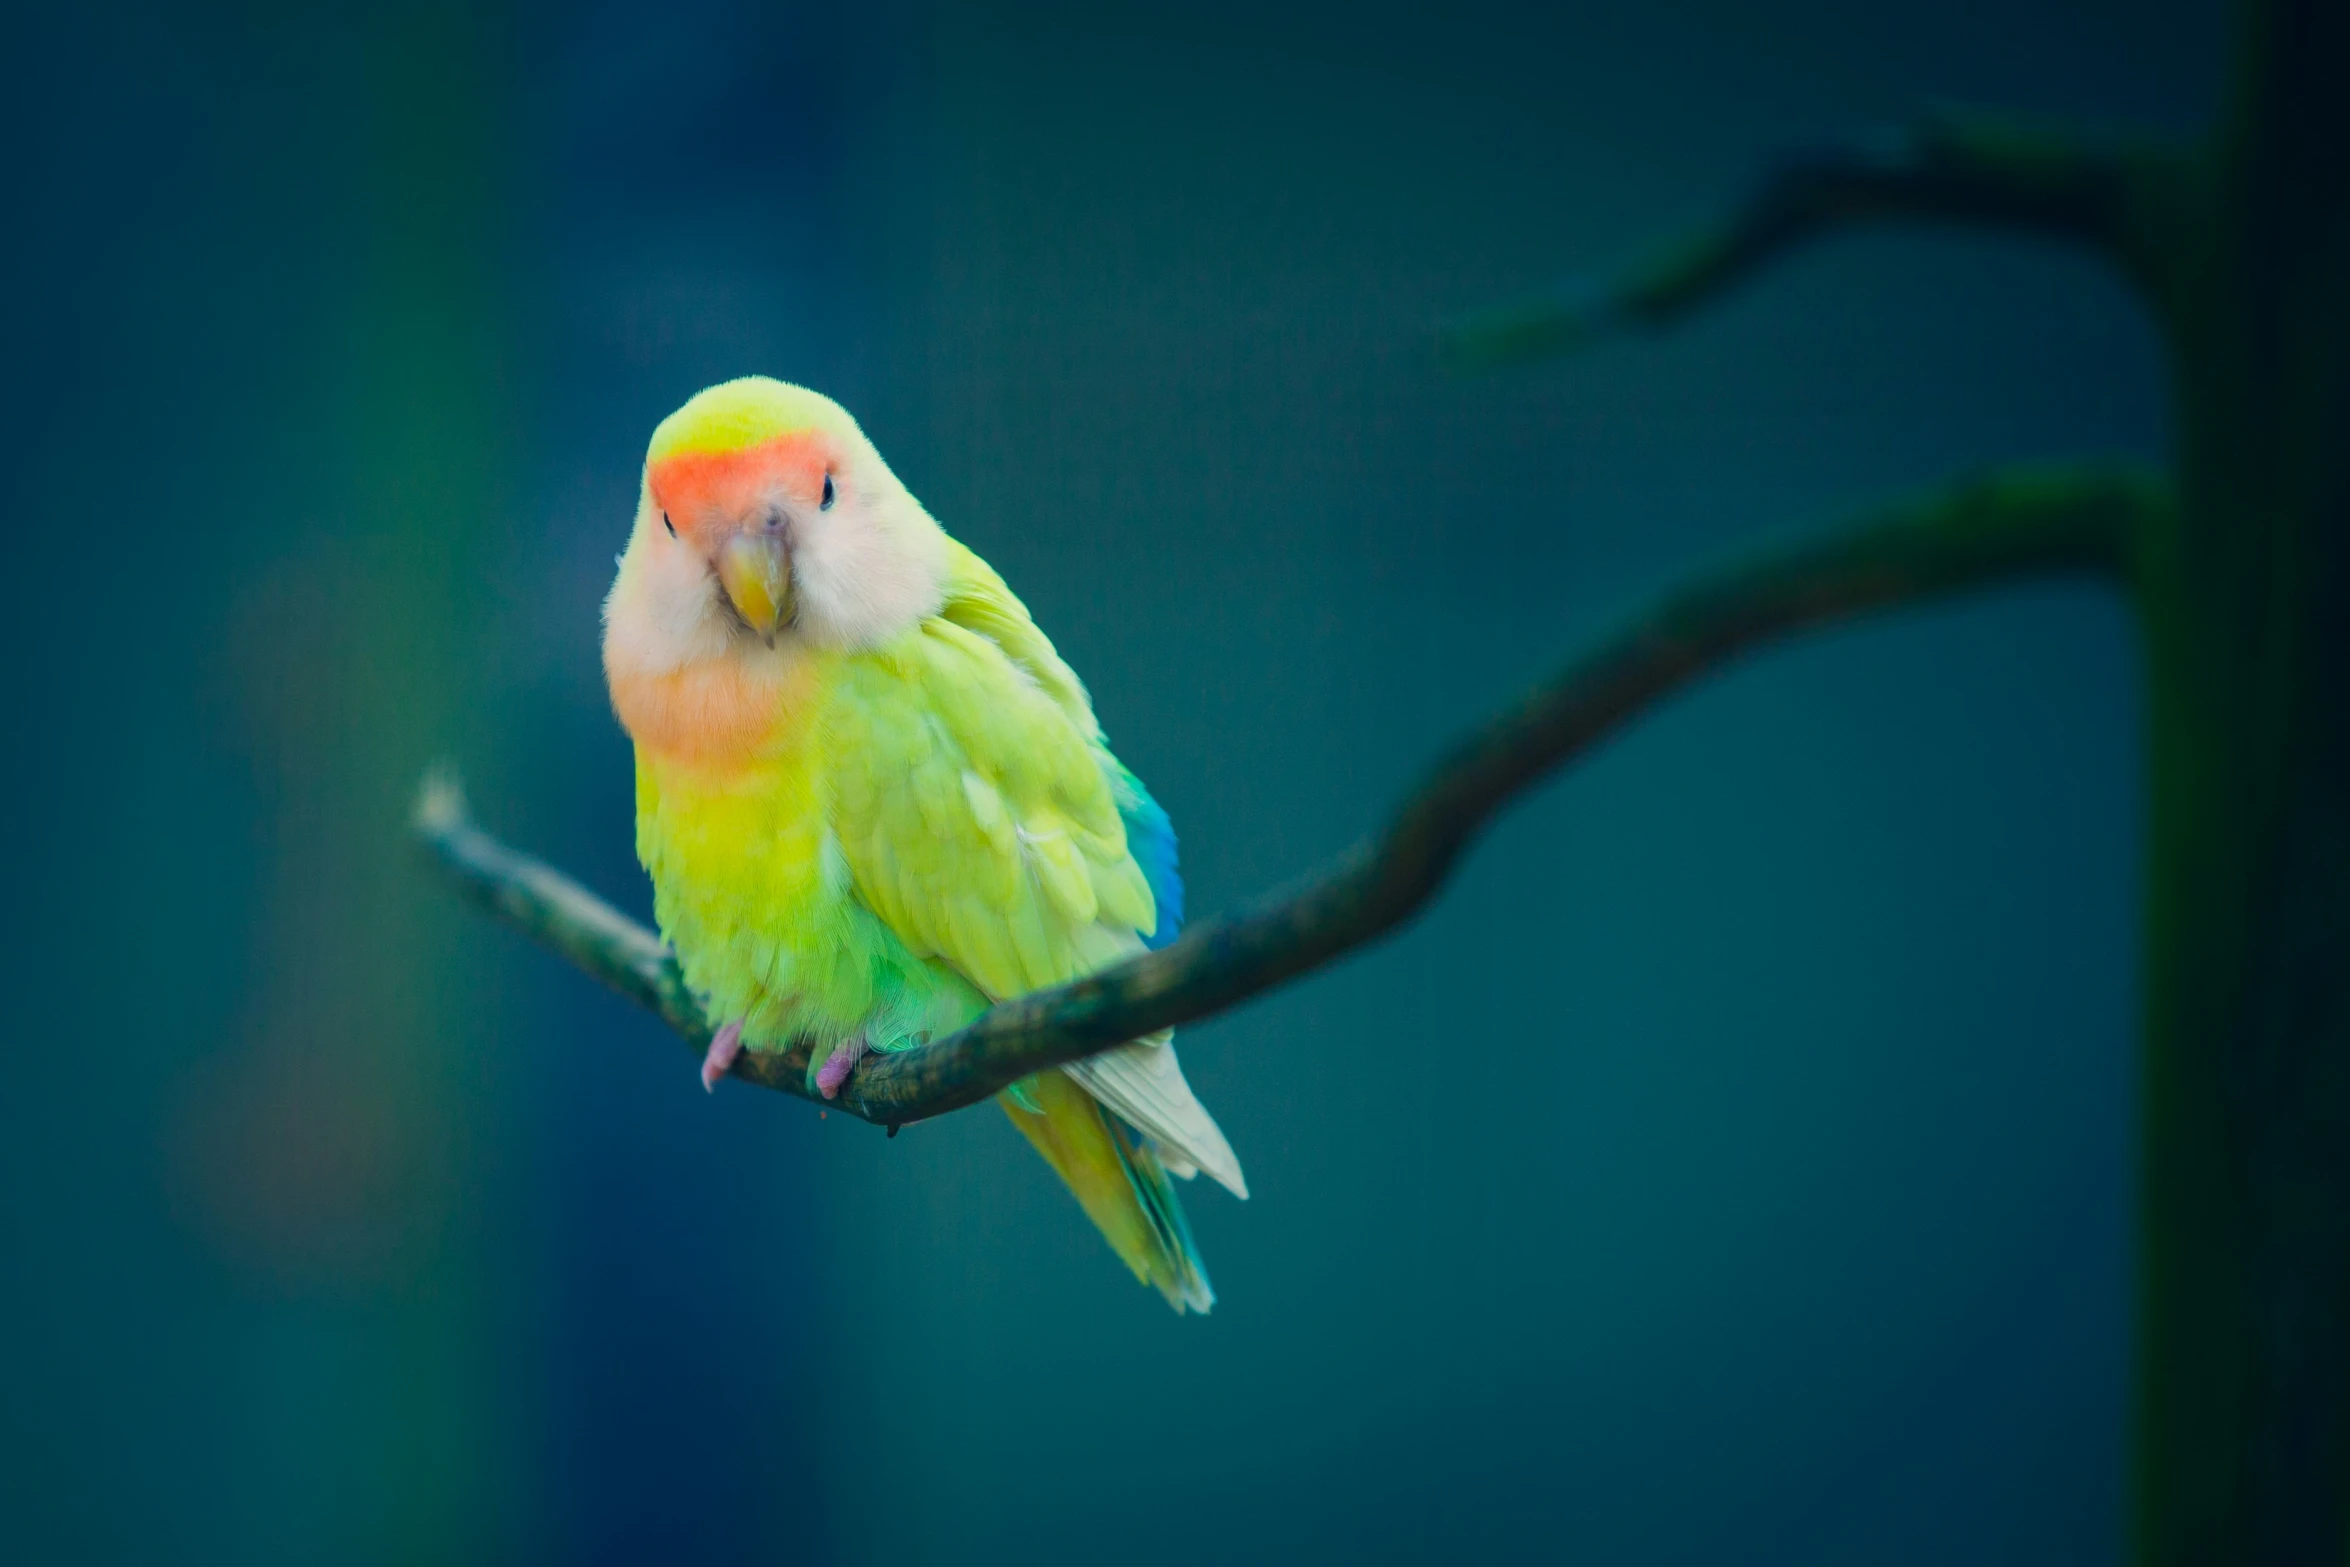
873, 800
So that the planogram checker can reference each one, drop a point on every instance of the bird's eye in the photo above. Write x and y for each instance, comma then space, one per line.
827, 502
671, 526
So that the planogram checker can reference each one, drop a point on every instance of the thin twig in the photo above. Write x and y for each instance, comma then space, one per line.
2018, 525
1982, 173
550, 907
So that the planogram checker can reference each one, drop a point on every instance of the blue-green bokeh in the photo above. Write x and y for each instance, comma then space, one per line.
1733, 1166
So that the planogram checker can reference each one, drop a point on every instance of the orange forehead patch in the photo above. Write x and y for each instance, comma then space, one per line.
696, 488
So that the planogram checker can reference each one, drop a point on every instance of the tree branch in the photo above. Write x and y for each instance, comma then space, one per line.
1982, 173
1997, 529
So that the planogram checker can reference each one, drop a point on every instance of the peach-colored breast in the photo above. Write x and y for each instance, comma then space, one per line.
718, 716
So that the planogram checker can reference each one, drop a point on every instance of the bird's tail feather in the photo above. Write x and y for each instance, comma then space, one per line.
1142, 1083
1119, 1181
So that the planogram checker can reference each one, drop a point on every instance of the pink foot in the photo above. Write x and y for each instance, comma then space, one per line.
725, 1045
837, 1066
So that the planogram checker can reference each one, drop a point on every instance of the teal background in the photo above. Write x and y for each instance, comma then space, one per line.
1733, 1165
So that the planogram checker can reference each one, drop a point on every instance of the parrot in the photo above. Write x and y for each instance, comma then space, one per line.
873, 800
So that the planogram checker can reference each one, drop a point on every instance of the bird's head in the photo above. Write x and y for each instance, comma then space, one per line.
767, 523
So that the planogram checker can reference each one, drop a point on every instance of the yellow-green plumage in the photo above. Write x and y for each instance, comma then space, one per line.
925, 825
931, 829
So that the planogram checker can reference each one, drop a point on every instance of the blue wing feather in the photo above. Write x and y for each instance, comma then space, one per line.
1150, 838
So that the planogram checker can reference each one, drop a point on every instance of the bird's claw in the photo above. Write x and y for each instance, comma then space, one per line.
837, 1066
725, 1045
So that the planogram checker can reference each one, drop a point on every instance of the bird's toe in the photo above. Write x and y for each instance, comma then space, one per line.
725, 1045
837, 1066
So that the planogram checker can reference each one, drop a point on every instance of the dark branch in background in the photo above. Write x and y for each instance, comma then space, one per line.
2077, 521
1985, 174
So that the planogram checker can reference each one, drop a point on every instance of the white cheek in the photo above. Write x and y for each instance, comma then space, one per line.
662, 613
865, 574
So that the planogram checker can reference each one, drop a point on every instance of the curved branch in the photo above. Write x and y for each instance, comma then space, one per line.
1994, 530
1982, 173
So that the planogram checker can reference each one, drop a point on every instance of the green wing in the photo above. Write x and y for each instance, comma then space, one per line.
971, 800
973, 803
976, 808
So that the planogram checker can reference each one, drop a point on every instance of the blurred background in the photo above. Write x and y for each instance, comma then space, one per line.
344, 1226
